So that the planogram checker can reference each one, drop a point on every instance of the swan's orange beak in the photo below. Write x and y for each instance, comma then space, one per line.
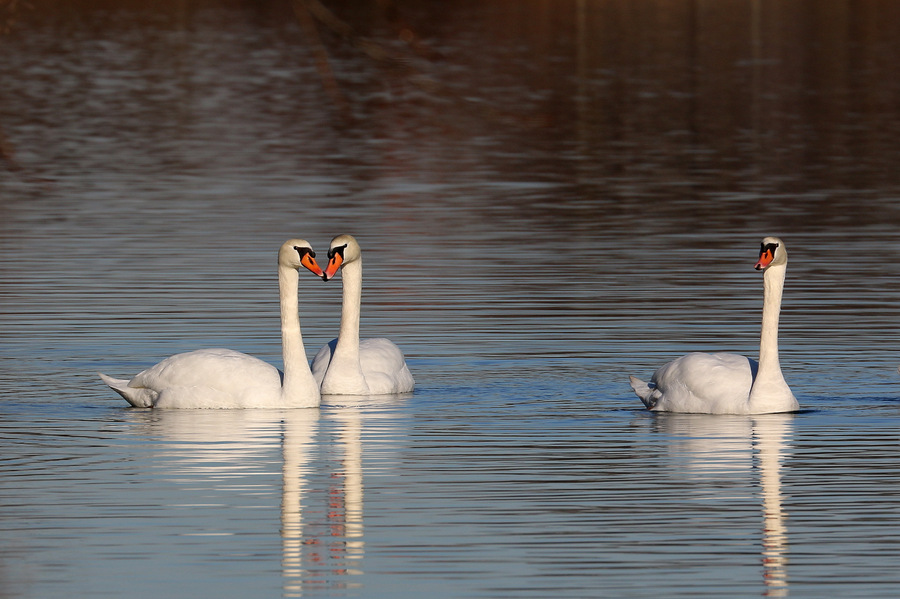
311, 265
766, 255
334, 264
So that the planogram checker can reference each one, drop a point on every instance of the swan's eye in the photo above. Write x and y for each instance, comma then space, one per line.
336, 250
305, 251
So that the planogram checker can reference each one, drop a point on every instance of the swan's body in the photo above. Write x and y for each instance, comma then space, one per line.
346, 366
729, 383
223, 378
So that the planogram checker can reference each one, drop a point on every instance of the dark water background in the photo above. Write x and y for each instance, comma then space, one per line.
550, 196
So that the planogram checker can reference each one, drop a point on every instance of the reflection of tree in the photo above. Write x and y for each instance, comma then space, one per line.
401, 64
312, 13
305, 11
9, 11
6, 150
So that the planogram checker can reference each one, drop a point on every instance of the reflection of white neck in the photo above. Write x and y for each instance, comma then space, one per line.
770, 392
771, 432
353, 487
299, 430
345, 374
299, 388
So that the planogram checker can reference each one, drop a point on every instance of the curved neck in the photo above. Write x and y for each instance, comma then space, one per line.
773, 287
348, 337
345, 375
769, 388
299, 387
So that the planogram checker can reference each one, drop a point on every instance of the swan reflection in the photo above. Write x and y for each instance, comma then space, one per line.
772, 433
713, 447
231, 455
297, 472
322, 527
321, 506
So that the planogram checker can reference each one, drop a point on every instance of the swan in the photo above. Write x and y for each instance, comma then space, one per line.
346, 366
223, 378
729, 383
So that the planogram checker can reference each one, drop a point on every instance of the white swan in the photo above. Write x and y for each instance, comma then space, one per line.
728, 383
346, 366
223, 378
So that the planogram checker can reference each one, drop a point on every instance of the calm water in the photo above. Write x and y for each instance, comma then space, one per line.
550, 197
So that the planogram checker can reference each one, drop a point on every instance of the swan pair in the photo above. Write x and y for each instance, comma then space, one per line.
728, 383
223, 378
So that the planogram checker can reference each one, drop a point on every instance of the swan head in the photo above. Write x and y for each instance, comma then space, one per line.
771, 253
297, 253
343, 250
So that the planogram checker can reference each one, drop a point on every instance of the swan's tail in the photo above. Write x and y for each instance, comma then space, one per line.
649, 395
138, 397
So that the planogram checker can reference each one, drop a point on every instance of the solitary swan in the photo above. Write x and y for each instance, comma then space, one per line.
346, 366
728, 383
223, 378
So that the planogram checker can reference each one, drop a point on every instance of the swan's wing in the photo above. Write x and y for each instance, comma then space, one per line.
384, 367
202, 378
705, 383
228, 369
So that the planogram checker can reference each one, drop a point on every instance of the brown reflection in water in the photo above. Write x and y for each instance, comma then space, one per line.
629, 102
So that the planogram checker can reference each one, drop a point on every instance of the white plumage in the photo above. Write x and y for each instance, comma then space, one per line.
224, 378
346, 366
729, 383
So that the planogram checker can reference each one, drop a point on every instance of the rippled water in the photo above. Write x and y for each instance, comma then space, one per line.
550, 197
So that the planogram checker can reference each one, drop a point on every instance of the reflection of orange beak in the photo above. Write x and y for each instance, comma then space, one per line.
333, 265
765, 258
311, 265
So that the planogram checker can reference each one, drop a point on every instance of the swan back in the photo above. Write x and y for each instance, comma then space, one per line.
716, 383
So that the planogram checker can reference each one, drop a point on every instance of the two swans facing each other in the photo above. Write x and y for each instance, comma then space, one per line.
724, 383
227, 379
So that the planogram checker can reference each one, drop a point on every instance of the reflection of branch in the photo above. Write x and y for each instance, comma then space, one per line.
8, 10
345, 31
405, 31
304, 9
311, 11
6, 151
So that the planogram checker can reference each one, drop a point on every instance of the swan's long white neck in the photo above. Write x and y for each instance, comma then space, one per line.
348, 338
770, 392
345, 374
298, 385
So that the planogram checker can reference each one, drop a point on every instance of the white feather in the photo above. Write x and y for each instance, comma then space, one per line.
728, 383
226, 379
